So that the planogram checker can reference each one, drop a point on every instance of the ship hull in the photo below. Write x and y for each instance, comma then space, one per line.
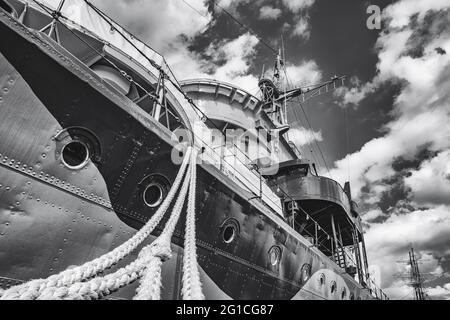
52, 218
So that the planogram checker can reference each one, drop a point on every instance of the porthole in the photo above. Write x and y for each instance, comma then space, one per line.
229, 233
229, 230
76, 146
322, 279
343, 293
153, 189
333, 286
153, 195
275, 255
75, 154
305, 273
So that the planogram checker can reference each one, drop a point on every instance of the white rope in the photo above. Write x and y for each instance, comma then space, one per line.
192, 288
150, 259
33, 289
150, 285
147, 266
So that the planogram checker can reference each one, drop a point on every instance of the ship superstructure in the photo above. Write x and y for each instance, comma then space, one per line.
90, 118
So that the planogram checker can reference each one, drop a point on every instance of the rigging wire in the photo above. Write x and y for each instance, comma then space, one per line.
405, 296
315, 138
245, 27
276, 52
308, 139
309, 126
196, 10
102, 54
347, 133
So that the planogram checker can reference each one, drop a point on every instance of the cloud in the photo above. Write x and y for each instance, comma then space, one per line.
227, 60
407, 203
302, 136
150, 19
420, 108
389, 242
404, 137
232, 6
431, 183
297, 5
224, 60
400, 13
438, 292
409, 53
373, 215
302, 28
236, 53
307, 72
226, 3
269, 13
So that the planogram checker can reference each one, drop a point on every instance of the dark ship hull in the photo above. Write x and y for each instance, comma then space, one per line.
52, 218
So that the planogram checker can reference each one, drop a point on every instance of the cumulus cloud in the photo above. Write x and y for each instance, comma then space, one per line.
238, 55
296, 5
398, 59
302, 136
431, 183
407, 55
372, 215
405, 137
307, 72
227, 60
232, 6
390, 241
149, 19
420, 108
302, 28
400, 12
269, 13
439, 292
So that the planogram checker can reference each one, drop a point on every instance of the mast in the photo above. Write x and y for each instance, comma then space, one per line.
275, 94
416, 278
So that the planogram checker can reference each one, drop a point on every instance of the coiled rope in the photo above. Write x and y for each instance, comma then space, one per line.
75, 284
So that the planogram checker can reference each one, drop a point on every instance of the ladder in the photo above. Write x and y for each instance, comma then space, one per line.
357, 254
339, 257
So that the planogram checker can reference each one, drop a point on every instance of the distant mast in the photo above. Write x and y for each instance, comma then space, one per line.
416, 277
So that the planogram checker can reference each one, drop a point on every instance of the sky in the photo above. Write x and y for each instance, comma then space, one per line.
387, 130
